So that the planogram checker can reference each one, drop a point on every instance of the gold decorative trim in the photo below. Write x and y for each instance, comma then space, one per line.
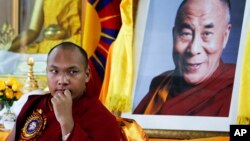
182, 134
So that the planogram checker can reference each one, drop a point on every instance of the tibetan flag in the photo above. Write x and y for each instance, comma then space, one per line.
244, 98
101, 22
116, 90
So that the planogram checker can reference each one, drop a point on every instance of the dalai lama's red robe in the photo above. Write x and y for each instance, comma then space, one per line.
92, 121
170, 95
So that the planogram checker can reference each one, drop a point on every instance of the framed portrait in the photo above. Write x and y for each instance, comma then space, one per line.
153, 47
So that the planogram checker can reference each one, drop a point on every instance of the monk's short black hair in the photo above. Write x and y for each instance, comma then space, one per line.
70, 45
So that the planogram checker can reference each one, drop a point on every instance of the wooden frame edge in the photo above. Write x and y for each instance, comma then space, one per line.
182, 134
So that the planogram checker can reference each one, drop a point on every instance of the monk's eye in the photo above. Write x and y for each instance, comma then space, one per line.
207, 35
53, 71
185, 34
73, 72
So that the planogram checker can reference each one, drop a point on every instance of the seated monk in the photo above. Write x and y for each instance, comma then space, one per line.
72, 110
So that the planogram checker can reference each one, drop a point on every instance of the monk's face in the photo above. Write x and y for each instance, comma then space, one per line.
65, 70
200, 35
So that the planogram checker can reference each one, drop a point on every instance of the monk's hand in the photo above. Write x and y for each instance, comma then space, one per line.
62, 105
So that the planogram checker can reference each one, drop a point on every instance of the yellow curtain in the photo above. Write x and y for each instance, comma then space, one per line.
244, 98
118, 80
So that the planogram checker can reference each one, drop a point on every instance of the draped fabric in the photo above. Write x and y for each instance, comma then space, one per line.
244, 98
117, 86
131, 130
101, 24
66, 14
63, 13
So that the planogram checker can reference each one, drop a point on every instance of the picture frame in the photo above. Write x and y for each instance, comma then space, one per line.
171, 126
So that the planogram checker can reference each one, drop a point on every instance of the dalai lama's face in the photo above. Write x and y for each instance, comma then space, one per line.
65, 70
200, 35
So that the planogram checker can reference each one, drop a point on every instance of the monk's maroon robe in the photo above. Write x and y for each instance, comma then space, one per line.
210, 98
92, 121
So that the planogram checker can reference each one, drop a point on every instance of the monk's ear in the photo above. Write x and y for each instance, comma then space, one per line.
226, 34
87, 74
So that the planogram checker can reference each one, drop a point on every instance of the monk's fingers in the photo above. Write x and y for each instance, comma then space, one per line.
57, 97
54, 99
67, 93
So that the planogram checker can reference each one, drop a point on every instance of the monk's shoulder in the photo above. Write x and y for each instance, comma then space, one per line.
229, 68
157, 80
